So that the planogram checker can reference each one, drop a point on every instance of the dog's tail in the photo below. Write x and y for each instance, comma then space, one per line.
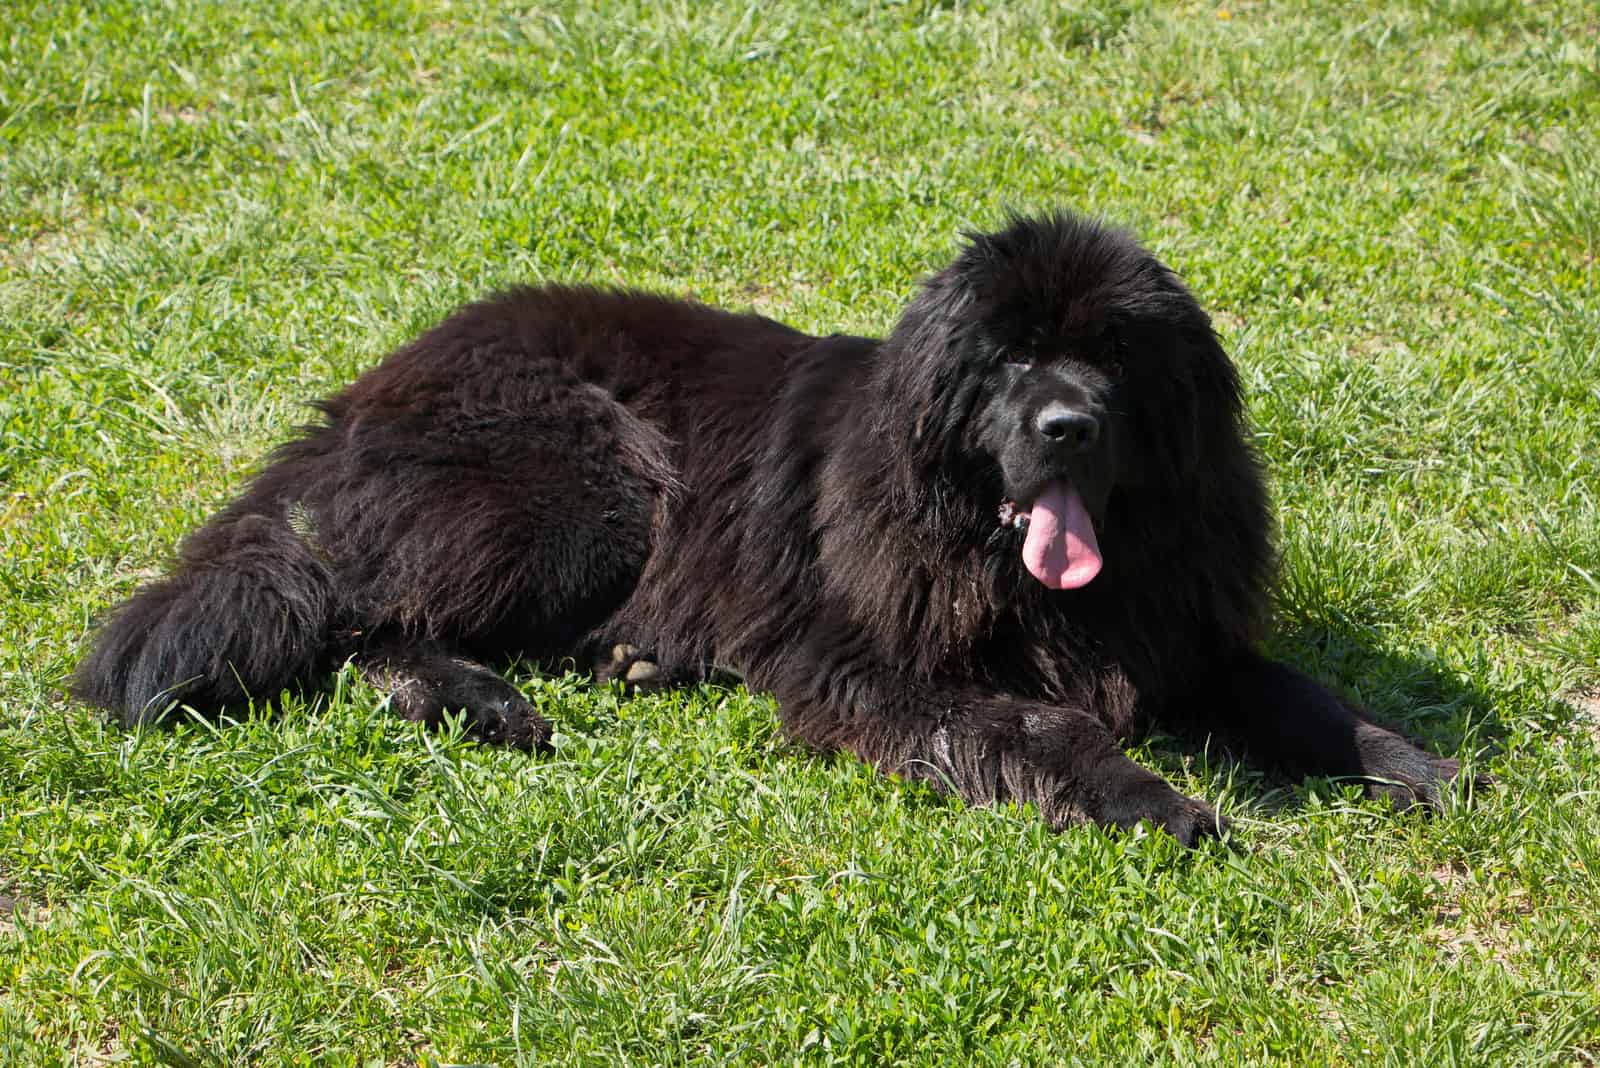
247, 611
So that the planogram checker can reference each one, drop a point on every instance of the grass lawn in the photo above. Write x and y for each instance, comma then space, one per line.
210, 212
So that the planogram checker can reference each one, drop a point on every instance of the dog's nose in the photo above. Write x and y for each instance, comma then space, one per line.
1060, 424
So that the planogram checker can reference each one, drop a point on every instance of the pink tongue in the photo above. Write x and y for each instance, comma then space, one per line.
1061, 550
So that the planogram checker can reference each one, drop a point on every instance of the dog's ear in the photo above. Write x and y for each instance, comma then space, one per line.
1190, 388
1181, 395
1218, 404
925, 382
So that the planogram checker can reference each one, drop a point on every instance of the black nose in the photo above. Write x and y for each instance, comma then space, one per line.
1061, 425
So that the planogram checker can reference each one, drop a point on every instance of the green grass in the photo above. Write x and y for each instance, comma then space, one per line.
209, 212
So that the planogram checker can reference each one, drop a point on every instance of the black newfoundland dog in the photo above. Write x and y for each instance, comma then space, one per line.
976, 552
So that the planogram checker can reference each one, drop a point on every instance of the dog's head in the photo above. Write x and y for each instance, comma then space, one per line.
1054, 363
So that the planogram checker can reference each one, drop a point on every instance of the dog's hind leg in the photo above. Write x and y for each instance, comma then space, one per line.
427, 680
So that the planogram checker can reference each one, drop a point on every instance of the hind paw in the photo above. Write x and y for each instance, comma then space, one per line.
428, 683
636, 670
514, 724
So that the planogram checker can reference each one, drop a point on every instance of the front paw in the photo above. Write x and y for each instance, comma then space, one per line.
1428, 783
1187, 819
1394, 768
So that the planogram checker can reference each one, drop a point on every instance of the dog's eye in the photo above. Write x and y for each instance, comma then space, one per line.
1116, 348
1019, 358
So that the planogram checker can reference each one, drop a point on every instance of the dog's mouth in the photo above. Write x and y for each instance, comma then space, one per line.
1059, 547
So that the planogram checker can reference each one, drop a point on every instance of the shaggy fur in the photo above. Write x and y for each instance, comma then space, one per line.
661, 488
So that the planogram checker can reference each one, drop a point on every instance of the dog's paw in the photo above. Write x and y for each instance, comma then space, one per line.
636, 670
1428, 785
514, 724
1152, 800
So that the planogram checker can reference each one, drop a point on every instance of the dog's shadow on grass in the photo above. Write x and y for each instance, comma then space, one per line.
1444, 711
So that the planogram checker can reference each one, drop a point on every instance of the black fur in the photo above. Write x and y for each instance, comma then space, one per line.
565, 472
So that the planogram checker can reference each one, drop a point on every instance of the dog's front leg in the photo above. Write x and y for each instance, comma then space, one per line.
989, 748
1280, 716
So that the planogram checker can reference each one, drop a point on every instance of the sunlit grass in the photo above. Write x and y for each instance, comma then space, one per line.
209, 214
